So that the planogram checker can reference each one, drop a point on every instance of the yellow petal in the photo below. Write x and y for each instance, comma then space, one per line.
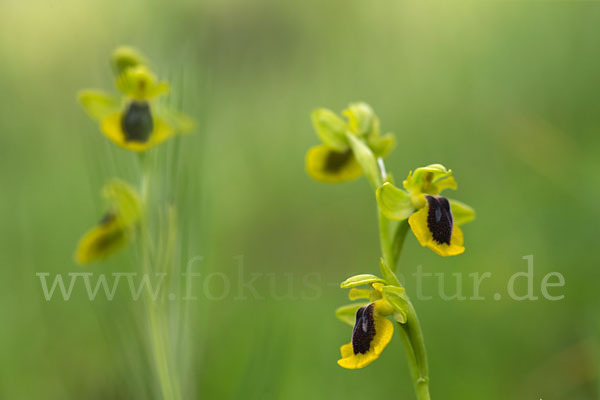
384, 329
330, 166
162, 131
356, 361
98, 104
346, 350
355, 293
111, 127
443, 184
419, 226
377, 286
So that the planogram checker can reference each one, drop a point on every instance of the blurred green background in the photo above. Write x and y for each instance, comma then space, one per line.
503, 92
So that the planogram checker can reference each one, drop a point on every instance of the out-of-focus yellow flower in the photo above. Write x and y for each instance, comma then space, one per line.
116, 227
101, 241
135, 127
134, 122
334, 161
331, 166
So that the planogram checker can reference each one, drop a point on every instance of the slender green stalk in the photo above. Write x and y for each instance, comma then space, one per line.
156, 312
410, 354
398, 241
415, 334
387, 246
410, 332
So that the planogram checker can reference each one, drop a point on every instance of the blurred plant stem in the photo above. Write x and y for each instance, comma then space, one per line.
156, 311
411, 333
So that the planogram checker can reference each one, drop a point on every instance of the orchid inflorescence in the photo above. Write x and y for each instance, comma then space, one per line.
136, 121
352, 146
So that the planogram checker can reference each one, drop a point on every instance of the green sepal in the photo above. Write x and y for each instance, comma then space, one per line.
124, 200
98, 104
362, 279
431, 179
366, 159
347, 313
396, 296
330, 128
461, 212
387, 273
362, 120
125, 57
393, 202
382, 145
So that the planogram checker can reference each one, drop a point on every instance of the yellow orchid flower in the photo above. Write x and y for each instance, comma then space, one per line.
434, 219
101, 241
334, 161
434, 227
134, 122
328, 165
372, 329
371, 334
116, 227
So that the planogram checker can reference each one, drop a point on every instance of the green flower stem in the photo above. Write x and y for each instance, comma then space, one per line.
156, 312
411, 333
398, 241
387, 252
410, 354
415, 336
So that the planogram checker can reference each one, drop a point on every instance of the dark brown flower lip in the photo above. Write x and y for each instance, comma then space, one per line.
137, 122
440, 221
364, 329
336, 160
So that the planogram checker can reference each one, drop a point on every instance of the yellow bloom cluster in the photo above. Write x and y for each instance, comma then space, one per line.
349, 149
135, 121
